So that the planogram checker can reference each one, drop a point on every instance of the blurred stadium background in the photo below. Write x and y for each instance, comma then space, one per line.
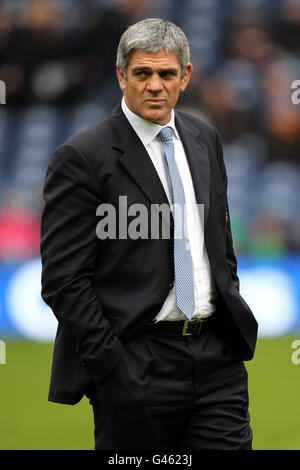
57, 61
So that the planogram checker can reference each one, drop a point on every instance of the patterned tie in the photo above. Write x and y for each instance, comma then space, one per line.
184, 284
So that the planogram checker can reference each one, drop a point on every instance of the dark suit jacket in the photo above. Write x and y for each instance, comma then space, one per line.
103, 292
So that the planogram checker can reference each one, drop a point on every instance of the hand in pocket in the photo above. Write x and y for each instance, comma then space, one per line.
127, 424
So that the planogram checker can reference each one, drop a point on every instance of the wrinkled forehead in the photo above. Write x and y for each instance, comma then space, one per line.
161, 59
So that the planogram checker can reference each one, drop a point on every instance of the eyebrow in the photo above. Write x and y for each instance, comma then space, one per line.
148, 69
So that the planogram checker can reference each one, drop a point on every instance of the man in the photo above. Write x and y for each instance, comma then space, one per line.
152, 328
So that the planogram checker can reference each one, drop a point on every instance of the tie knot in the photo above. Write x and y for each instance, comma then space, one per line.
165, 134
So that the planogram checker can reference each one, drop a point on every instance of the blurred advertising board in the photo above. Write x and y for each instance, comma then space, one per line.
270, 286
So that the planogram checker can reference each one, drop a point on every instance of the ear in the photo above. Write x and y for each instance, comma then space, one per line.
186, 77
121, 78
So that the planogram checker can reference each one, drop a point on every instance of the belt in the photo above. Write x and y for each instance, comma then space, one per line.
182, 327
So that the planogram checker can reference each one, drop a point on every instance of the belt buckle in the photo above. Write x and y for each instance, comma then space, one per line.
185, 327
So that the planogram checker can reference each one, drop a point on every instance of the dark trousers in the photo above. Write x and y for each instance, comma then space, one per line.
193, 395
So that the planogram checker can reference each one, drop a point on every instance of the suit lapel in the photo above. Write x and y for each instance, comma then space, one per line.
138, 163
136, 160
198, 160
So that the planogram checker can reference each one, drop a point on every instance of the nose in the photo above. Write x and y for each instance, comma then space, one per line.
154, 84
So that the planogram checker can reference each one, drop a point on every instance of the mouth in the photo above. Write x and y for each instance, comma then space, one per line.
155, 100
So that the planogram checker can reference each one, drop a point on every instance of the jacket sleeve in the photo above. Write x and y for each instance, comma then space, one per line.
230, 255
68, 250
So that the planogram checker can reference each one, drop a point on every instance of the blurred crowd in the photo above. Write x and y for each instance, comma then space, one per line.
60, 55
58, 52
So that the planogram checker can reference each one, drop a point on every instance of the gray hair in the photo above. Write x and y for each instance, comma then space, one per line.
153, 35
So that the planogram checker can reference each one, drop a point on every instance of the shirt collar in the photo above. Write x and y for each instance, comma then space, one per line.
147, 130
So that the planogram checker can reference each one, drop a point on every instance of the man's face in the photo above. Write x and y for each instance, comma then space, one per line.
153, 84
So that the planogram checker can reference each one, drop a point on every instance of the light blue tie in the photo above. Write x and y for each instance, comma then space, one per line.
184, 283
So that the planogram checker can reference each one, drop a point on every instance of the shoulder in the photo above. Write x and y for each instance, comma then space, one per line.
196, 122
206, 133
202, 130
94, 137
88, 147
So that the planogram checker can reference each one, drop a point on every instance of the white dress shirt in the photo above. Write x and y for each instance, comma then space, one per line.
204, 288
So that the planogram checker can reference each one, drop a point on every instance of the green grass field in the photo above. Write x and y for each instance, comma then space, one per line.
30, 422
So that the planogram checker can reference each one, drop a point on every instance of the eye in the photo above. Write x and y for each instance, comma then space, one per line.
167, 74
141, 74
